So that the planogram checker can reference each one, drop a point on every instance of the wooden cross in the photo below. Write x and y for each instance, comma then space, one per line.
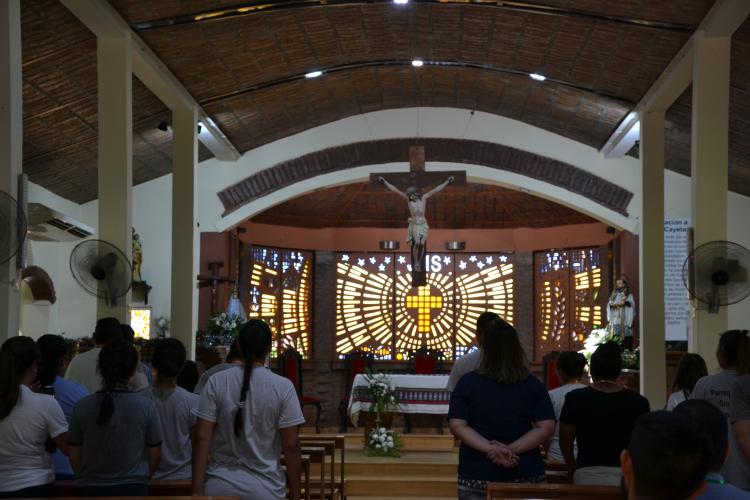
213, 280
420, 179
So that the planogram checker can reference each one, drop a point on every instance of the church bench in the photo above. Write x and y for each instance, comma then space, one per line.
317, 456
155, 488
305, 481
170, 497
555, 465
551, 491
334, 445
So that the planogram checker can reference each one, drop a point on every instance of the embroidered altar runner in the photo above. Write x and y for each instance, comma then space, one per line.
415, 393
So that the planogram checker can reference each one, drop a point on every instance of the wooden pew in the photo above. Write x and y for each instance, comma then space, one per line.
337, 453
317, 455
181, 497
305, 483
551, 491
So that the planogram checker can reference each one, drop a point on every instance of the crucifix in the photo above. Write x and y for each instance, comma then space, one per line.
213, 280
410, 186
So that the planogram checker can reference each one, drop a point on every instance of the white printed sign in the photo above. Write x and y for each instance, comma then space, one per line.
676, 298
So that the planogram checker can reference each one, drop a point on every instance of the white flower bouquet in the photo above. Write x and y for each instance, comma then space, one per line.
224, 324
382, 442
382, 392
161, 325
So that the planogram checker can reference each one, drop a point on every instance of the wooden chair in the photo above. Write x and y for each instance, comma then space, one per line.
290, 366
552, 491
357, 363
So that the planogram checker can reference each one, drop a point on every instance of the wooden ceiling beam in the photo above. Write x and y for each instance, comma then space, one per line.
104, 21
724, 18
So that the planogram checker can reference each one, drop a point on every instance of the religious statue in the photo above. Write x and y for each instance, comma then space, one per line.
416, 236
621, 311
137, 256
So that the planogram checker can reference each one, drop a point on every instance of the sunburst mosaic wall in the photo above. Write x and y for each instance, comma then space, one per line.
377, 309
280, 292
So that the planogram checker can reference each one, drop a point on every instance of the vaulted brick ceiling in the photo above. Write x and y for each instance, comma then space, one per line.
599, 57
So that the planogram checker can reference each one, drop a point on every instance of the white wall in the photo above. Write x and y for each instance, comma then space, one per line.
75, 311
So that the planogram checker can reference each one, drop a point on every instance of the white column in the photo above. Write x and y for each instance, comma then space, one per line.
115, 78
11, 140
651, 254
185, 234
710, 171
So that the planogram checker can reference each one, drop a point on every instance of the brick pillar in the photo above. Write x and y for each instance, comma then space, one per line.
524, 300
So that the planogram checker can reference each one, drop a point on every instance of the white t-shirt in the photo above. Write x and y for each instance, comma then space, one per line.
675, 398
175, 408
558, 401
84, 369
24, 462
463, 365
248, 465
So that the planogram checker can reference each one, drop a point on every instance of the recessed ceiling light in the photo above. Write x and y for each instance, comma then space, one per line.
313, 74
417, 63
537, 77
400, 2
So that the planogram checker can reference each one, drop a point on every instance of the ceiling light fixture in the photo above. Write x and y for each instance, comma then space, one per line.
314, 74
537, 77
400, 2
417, 63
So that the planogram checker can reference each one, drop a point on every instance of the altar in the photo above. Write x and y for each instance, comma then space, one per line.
424, 394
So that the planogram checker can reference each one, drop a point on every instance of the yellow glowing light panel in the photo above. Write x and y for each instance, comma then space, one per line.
568, 298
279, 289
140, 322
377, 309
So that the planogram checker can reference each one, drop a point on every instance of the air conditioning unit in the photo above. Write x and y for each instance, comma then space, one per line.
46, 224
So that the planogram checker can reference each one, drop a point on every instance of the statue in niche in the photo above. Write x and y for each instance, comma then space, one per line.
137, 256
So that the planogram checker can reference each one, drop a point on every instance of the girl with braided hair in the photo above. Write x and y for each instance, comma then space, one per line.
247, 415
115, 434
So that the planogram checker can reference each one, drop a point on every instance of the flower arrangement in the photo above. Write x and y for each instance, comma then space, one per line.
224, 325
599, 336
381, 391
382, 442
161, 325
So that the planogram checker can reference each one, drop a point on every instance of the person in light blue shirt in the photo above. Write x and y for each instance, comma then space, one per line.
711, 426
55, 359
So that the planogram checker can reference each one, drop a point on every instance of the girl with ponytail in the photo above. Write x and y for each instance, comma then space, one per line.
27, 422
247, 415
115, 435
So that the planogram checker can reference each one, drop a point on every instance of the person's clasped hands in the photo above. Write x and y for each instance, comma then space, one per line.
502, 455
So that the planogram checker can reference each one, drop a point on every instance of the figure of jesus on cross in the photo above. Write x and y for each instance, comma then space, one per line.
416, 236
410, 186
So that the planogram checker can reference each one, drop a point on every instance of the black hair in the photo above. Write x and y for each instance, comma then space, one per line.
17, 355
106, 329
743, 354
188, 376
234, 353
53, 349
691, 368
483, 321
503, 360
254, 342
570, 364
169, 358
668, 462
710, 425
117, 362
729, 348
606, 362
128, 334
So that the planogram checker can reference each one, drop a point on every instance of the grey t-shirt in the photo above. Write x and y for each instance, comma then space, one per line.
114, 453
463, 365
249, 464
718, 390
175, 409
